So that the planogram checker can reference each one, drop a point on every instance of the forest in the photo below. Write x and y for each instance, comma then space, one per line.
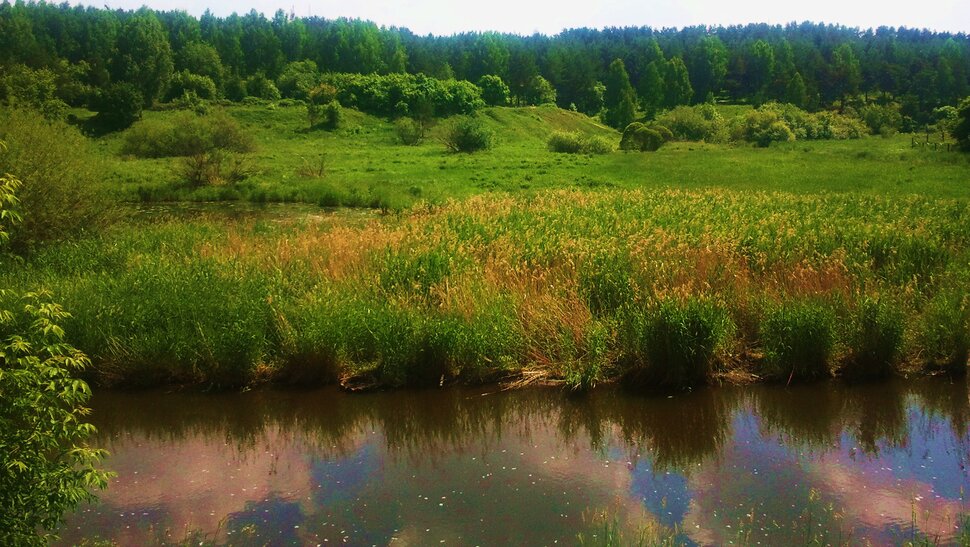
59, 56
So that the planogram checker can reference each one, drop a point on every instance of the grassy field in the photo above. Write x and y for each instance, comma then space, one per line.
695, 263
364, 165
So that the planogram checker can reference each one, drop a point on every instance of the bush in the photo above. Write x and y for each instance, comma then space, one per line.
675, 342
640, 138
215, 167
60, 195
298, 79
763, 127
46, 468
882, 119
326, 116
118, 106
694, 123
468, 134
961, 130
36, 89
798, 339
261, 87
576, 143
185, 82
394, 95
875, 340
186, 134
410, 132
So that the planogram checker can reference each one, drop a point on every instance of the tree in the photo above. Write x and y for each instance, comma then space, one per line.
760, 70
846, 74
651, 90
962, 130
708, 66
118, 106
677, 90
202, 59
494, 90
144, 56
620, 100
46, 468
539, 91
795, 92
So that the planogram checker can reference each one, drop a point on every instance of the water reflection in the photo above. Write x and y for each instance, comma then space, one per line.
485, 466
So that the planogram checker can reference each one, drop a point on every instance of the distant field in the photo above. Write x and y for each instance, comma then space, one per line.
363, 163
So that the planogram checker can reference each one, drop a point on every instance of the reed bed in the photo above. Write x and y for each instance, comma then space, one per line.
661, 288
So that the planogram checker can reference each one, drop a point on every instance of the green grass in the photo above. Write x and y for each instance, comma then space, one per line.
797, 261
364, 164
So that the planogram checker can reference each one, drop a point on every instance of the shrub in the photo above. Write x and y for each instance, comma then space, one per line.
186, 134
674, 343
325, 116
405, 94
763, 127
214, 167
875, 340
468, 134
882, 119
118, 106
185, 82
298, 79
694, 123
46, 468
566, 142
37, 89
410, 132
961, 130
831, 125
60, 195
261, 87
638, 137
798, 339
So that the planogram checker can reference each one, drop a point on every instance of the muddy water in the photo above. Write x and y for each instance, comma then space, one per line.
768, 465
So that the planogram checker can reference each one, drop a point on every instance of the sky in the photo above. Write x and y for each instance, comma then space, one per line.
443, 17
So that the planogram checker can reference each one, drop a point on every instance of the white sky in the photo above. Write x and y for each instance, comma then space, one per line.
551, 16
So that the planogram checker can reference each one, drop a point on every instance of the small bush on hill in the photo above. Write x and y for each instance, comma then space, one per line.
410, 132
576, 143
763, 127
326, 116
494, 90
118, 106
694, 123
641, 138
882, 119
411, 95
185, 82
261, 87
468, 134
186, 134
214, 167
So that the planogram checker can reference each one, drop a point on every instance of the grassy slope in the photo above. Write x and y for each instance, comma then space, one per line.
364, 163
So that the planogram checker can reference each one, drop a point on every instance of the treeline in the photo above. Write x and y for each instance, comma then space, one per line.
813, 66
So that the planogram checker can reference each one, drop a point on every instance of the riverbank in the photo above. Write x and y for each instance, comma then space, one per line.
660, 288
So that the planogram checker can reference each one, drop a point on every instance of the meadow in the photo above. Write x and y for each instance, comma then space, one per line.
410, 265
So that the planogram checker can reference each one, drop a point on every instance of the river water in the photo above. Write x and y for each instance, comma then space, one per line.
757, 465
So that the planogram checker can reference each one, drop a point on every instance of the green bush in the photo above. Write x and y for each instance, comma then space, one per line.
566, 142
882, 119
298, 79
261, 87
798, 339
46, 467
409, 131
961, 129
61, 196
763, 127
468, 134
875, 340
674, 343
640, 138
494, 91
214, 167
412, 95
185, 82
186, 134
694, 123
118, 106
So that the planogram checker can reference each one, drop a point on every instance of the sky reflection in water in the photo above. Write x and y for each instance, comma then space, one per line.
475, 466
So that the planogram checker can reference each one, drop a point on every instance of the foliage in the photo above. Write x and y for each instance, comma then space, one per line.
882, 119
118, 106
494, 91
36, 89
214, 167
261, 87
620, 100
763, 127
539, 91
410, 132
298, 79
185, 82
46, 468
468, 134
186, 134
417, 96
694, 123
961, 132
59, 172
144, 57
641, 138
945, 335
576, 143
325, 115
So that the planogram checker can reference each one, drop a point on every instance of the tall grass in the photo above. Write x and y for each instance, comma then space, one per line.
670, 287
